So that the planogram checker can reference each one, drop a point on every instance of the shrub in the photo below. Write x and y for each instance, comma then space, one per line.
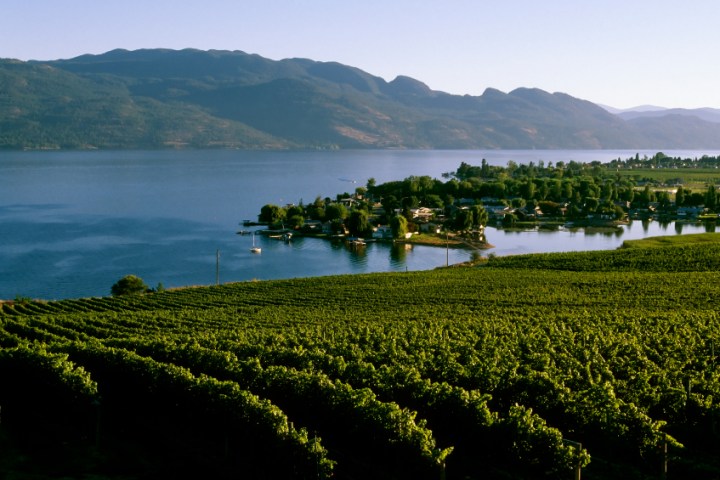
129, 285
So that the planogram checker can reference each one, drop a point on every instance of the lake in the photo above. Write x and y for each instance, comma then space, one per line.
73, 223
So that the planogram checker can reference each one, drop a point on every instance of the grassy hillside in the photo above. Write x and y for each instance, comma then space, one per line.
497, 372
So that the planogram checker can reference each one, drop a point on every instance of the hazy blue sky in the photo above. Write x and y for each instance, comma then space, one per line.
620, 53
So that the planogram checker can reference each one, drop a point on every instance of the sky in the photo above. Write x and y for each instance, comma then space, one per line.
619, 53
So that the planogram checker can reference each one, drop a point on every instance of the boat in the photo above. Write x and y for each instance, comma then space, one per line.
286, 236
355, 243
255, 249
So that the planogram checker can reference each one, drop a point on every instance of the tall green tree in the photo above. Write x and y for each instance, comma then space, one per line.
646, 196
390, 204
271, 214
711, 198
480, 215
399, 226
680, 196
336, 211
463, 220
527, 189
359, 222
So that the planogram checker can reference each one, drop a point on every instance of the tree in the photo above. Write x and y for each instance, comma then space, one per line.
663, 198
399, 226
295, 221
509, 220
527, 189
645, 196
463, 220
679, 196
316, 210
711, 198
389, 204
358, 222
295, 216
271, 214
480, 215
433, 201
129, 285
591, 205
336, 211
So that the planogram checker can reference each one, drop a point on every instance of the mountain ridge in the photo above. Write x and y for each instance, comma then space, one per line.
160, 98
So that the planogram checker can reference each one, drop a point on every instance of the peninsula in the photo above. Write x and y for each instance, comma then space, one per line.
456, 211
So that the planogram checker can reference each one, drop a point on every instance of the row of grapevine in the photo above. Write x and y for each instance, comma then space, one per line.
365, 430
505, 365
180, 416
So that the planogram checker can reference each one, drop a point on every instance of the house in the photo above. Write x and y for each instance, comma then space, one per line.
689, 212
312, 226
330, 228
430, 227
383, 232
422, 214
349, 202
498, 212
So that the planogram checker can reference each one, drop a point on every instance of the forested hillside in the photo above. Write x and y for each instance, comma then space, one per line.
500, 371
222, 99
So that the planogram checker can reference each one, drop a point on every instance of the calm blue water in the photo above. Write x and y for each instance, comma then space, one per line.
73, 223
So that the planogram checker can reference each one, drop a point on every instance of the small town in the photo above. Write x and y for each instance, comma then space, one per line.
457, 211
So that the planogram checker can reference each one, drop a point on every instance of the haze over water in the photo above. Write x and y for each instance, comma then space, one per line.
73, 223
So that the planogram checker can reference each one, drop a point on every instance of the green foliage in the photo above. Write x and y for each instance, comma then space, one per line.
271, 214
463, 220
359, 223
496, 371
335, 211
129, 285
711, 198
399, 225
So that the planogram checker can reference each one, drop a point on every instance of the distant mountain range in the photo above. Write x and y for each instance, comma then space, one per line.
230, 99
707, 114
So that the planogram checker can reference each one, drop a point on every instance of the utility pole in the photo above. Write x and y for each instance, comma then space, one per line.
664, 451
578, 447
447, 249
217, 267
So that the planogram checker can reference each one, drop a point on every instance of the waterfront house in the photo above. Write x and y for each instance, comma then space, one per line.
689, 212
312, 226
422, 214
383, 232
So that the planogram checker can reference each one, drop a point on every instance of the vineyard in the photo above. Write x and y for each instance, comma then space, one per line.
527, 367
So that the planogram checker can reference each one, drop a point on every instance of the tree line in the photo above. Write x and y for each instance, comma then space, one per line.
563, 190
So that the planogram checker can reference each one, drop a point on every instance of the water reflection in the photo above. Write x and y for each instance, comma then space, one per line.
399, 253
512, 242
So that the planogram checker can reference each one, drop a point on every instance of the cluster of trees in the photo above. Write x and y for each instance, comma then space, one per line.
133, 285
358, 213
573, 190
660, 160
355, 219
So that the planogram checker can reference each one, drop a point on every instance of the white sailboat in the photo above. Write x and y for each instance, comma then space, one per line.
255, 249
